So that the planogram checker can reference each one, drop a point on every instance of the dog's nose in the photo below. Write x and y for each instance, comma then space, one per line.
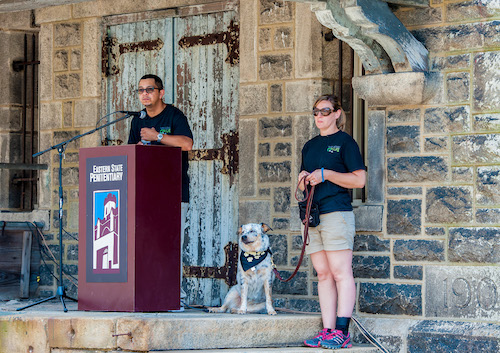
244, 237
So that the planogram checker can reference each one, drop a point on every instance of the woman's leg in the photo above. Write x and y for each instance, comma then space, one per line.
340, 265
327, 289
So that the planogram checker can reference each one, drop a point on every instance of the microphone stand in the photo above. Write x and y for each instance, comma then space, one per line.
61, 291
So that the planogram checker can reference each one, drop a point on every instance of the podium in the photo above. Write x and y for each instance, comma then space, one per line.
129, 228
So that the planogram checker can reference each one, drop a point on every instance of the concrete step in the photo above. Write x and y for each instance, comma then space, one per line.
362, 348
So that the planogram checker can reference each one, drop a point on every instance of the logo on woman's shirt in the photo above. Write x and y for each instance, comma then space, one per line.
333, 149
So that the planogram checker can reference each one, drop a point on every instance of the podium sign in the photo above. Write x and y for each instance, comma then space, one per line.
129, 228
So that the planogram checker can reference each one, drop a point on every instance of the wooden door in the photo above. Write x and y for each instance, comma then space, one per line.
197, 57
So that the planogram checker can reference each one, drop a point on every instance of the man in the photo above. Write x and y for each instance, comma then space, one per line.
163, 125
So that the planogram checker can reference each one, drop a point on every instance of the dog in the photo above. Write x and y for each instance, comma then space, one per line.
255, 275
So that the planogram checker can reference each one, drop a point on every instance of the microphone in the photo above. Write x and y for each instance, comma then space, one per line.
141, 114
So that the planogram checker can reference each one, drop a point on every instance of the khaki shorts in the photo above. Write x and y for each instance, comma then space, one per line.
335, 232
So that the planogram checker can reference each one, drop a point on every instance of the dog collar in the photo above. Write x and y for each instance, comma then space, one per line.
251, 259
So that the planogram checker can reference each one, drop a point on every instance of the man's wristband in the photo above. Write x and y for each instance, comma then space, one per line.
322, 175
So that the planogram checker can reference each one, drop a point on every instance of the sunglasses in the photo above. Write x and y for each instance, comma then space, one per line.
148, 90
324, 111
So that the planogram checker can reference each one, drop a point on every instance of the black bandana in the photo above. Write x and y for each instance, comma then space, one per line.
252, 259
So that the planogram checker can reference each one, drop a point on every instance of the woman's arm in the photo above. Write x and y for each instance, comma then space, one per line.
352, 180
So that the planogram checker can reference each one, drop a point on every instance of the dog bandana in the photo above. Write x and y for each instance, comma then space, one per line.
252, 259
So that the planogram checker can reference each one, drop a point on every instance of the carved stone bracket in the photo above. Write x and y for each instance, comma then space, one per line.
371, 29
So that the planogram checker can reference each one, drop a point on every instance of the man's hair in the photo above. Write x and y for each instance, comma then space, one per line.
158, 81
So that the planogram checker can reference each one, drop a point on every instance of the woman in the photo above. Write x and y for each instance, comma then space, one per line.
332, 163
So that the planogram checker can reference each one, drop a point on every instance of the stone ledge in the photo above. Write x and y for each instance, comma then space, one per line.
404, 88
40, 217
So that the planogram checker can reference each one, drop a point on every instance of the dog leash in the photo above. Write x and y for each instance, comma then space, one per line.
309, 197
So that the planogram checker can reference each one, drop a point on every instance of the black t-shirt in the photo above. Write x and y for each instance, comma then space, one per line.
171, 121
338, 152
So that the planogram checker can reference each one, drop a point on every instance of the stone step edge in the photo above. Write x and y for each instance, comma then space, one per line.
358, 348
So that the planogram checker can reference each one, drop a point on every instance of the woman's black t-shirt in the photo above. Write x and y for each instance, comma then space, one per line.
338, 152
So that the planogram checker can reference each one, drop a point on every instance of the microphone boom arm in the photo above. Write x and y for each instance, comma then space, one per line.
81, 135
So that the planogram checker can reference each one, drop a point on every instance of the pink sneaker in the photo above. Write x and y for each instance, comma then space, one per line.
316, 340
336, 340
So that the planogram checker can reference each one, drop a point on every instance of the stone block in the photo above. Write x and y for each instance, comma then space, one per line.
67, 112
466, 292
253, 99
488, 215
281, 223
276, 98
463, 174
417, 169
87, 112
279, 247
420, 16
486, 81
294, 261
369, 218
458, 85
265, 192
305, 305
275, 127
22, 20
67, 34
308, 39
371, 266
76, 59
408, 272
448, 204
282, 200
376, 178
301, 95
447, 119
275, 67
15, 338
264, 149
61, 60
403, 139
404, 217
488, 185
474, 245
247, 134
455, 337
61, 136
46, 68
390, 299
295, 222
471, 10
435, 231
490, 34
404, 190
273, 11
67, 86
486, 122
403, 116
53, 14
10, 119
436, 144
469, 149
91, 58
367, 242
452, 62
254, 212
51, 116
418, 250
452, 37
283, 38
283, 149
296, 286
248, 43
265, 43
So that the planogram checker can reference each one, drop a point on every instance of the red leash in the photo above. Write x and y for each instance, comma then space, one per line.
309, 198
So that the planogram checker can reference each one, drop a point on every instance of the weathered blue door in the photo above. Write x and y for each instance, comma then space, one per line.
197, 57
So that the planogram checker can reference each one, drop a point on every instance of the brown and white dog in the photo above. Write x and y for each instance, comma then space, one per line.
255, 275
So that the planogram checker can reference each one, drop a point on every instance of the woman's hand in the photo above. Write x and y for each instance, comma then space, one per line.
302, 174
314, 178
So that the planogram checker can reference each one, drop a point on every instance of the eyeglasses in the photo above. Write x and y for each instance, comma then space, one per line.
324, 111
148, 90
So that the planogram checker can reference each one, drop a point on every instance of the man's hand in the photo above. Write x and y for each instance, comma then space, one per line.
149, 134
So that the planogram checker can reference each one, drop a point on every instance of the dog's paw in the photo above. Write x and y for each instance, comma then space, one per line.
241, 311
271, 312
214, 310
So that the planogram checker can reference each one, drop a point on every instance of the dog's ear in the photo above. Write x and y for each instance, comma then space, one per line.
240, 230
265, 228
